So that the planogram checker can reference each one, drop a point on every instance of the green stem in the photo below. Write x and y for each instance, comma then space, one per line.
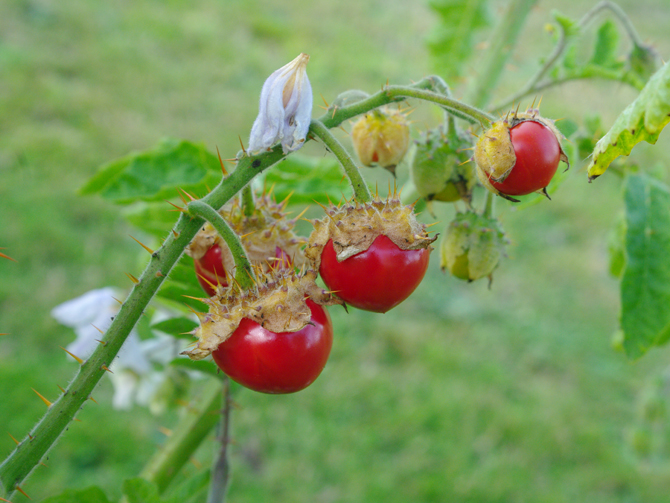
30, 451
501, 44
430, 89
221, 468
536, 84
248, 204
244, 274
490, 203
192, 429
361, 191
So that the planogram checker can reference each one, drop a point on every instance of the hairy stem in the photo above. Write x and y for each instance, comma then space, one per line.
194, 426
221, 468
244, 274
490, 203
361, 191
501, 45
248, 204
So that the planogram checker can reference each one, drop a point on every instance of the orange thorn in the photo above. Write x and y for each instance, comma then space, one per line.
285, 201
223, 168
6, 256
187, 195
175, 233
101, 332
61, 388
179, 208
143, 245
117, 300
21, 491
79, 360
159, 274
12, 437
47, 402
92, 399
4, 334
76, 419
101, 342
133, 278
242, 145
104, 367
3, 499
324, 100
44, 465
165, 431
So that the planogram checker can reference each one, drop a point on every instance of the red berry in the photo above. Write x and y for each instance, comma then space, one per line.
272, 362
537, 156
376, 279
210, 271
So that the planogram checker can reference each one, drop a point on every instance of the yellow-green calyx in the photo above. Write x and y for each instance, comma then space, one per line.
277, 303
472, 246
354, 226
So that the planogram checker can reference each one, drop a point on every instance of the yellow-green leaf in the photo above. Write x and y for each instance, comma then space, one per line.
644, 119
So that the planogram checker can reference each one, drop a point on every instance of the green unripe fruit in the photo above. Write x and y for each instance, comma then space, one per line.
472, 246
439, 170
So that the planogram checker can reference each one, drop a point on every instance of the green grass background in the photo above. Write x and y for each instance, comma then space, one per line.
462, 393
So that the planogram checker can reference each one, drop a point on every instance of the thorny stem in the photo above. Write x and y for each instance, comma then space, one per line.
535, 84
193, 427
361, 191
221, 468
244, 274
32, 449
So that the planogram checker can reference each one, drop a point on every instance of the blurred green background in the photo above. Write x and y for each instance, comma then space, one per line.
462, 393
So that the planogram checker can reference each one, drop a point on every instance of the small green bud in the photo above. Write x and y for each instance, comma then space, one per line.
439, 167
472, 246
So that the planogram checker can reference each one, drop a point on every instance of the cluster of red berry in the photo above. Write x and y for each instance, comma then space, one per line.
372, 256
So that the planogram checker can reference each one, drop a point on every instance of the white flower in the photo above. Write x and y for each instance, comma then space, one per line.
285, 109
133, 377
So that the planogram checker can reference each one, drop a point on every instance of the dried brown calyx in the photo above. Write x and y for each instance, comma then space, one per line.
277, 303
354, 226
263, 233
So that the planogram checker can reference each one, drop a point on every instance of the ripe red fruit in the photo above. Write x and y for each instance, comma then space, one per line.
538, 153
376, 279
271, 362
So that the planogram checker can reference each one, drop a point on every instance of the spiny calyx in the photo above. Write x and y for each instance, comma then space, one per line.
277, 303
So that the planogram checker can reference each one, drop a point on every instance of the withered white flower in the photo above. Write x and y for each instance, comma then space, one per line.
285, 109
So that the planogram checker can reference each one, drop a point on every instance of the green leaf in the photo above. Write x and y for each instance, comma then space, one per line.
204, 366
176, 326
645, 285
156, 174
181, 283
309, 179
452, 40
155, 219
644, 119
607, 42
140, 491
89, 495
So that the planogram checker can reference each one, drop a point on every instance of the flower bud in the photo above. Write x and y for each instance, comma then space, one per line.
285, 109
381, 137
